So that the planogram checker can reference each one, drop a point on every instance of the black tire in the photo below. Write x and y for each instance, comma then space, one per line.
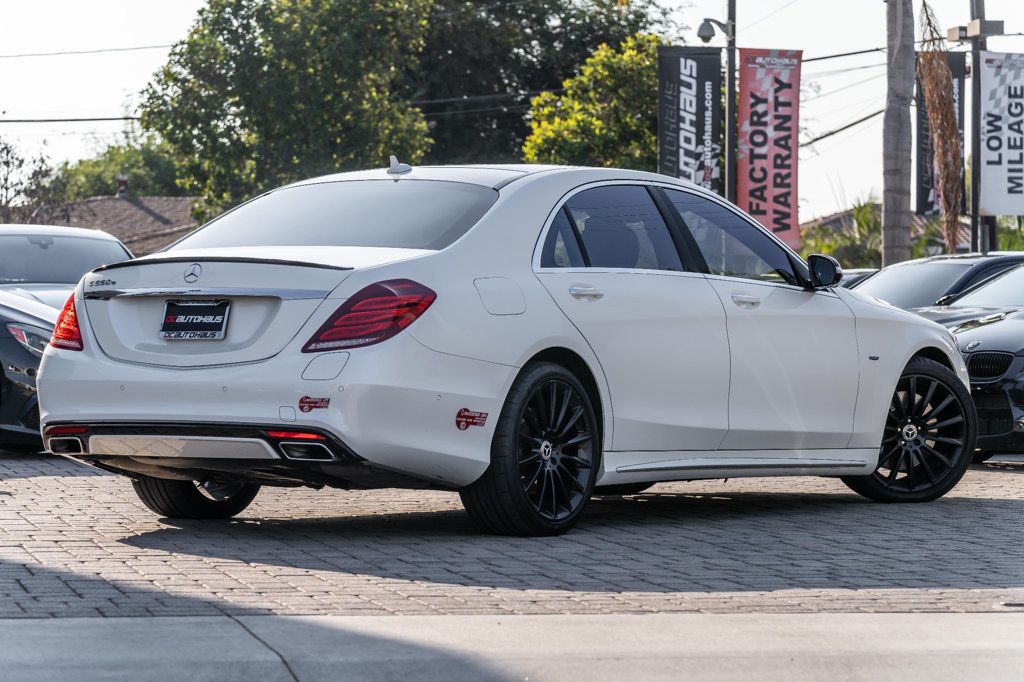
983, 456
931, 437
559, 448
185, 500
622, 489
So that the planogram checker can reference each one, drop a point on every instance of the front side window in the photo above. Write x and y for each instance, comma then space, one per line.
620, 227
407, 214
915, 284
731, 245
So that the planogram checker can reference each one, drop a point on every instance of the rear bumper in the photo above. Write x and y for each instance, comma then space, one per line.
394, 404
225, 451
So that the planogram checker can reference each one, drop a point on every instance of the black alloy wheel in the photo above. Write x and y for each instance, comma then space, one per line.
544, 457
555, 457
928, 441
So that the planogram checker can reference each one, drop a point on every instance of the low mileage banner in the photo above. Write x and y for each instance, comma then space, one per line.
1002, 133
768, 141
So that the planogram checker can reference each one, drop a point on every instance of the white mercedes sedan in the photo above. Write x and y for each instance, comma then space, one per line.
528, 336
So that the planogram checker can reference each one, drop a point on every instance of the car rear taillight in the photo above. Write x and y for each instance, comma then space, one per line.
66, 334
372, 315
67, 430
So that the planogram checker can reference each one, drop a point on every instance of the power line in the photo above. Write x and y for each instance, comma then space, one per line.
90, 119
843, 54
96, 51
763, 17
840, 129
845, 87
836, 72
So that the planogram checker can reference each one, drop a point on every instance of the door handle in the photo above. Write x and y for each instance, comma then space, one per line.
591, 293
746, 301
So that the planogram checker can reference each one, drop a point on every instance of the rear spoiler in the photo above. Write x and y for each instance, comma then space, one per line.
215, 259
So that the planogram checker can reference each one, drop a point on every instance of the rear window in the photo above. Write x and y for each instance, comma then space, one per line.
913, 286
53, 259
407, 214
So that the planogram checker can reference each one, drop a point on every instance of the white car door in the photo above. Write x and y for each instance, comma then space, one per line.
795, 364
611, 264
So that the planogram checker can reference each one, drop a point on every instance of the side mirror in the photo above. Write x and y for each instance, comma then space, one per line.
825, 271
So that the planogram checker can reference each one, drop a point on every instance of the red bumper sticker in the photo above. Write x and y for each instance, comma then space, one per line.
467, 417
307, 404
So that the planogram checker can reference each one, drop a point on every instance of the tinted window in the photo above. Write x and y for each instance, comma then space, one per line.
730, 244
410, 214
561, 249
36, 259
1007, 290
986, 273
621, 228
914, 285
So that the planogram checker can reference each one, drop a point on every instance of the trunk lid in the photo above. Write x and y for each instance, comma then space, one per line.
270, 293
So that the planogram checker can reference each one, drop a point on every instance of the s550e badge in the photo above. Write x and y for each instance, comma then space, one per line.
467, 417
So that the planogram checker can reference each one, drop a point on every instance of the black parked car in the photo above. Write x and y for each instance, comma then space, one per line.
39, 268
854, 276
935, 280
988, 323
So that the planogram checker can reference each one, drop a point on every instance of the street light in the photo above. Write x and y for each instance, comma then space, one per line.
706, 31
976, 32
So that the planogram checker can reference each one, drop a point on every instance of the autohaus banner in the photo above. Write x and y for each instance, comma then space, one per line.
690, 114
1002, 133
768, 144
928, 193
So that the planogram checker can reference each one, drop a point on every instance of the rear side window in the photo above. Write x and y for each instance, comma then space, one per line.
621, 227
561, 249
408, 214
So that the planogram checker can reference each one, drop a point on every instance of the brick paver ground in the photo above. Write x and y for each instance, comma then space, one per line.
74, 542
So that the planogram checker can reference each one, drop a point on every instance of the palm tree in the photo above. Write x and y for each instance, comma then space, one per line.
896, 152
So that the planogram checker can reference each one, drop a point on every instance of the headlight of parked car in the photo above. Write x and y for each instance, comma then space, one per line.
33, 338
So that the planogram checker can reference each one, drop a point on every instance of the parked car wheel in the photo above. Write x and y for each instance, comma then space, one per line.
928, 441
544, 457
194, 499
622, 489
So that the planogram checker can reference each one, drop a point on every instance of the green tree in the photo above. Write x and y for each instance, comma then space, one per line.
145, 161
606, 115
501, 53
261, 93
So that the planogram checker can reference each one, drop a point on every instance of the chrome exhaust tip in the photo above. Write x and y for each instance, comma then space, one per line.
66, 445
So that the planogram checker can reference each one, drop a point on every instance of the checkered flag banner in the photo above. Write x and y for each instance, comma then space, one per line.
1002, 133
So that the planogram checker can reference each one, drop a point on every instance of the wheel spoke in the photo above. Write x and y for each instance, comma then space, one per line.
526, 460
927, 470
912, 397
895, 470
552, 405
554, 493
568, 476
577, 413
536, 474
888, 455
942, 458
928, 396
934, 412
579, 461
949, 422
948, 441
577, 439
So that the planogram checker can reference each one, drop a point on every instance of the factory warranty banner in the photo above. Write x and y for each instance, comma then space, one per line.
929, 195
1002, 133
768, 144
690, 114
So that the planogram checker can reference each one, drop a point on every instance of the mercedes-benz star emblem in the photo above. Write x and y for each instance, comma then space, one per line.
193, 272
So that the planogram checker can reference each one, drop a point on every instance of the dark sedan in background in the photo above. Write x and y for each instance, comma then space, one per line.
935, 280
988, 323
39, 268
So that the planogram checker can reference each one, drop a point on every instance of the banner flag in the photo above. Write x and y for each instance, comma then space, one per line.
1002, 133
928, 201
769, 145
690, 114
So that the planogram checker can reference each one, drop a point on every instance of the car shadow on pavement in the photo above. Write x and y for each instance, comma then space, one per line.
15, 464
30, 591
655, 542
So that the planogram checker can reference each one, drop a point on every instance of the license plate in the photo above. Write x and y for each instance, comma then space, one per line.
194, 320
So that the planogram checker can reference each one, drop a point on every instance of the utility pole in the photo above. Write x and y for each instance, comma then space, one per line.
730, 106
706, 32
983, 230
979, 237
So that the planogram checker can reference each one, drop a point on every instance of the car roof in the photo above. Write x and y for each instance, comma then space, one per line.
55, 231
495, 176
966, 258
